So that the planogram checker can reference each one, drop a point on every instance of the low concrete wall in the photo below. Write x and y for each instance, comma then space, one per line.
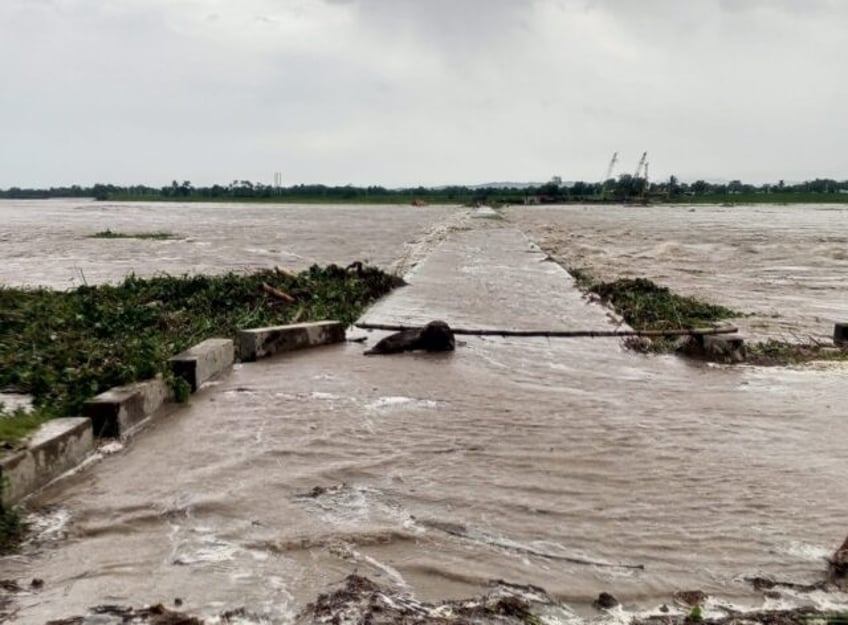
119, 409
57, 446
257, 343
204, 361
61, 444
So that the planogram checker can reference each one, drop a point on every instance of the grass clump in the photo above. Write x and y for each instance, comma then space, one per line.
782, 353
16, 424
583, 278
645, 305
155, 236
11, 528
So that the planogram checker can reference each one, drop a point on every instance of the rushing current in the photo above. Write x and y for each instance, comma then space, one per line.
570, 464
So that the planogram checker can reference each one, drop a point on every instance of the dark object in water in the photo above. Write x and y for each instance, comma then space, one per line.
605, 601
767, 584
839, 563
436, 336
690, 598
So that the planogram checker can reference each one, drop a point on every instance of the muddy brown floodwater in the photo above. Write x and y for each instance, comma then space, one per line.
573, 465
785, 266
50, 243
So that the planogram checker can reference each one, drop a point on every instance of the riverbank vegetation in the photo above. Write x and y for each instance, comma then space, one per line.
783, 353
624, 188
64, 347
644, 305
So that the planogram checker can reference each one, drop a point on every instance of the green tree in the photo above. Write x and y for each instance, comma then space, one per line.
699, 187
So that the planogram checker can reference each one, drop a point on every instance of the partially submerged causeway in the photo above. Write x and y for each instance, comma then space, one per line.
310, 396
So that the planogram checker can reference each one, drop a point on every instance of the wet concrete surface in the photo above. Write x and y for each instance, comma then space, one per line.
520, 459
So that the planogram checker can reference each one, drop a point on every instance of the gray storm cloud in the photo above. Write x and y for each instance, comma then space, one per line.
400, 92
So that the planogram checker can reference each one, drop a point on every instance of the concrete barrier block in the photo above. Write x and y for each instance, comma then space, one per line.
726, 348
840, 334
119, 409
256, 343
56, 447
204, 361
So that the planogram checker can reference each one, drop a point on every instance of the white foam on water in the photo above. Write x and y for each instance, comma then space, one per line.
385, 402
199, 546
394, 401
397, 579
48, 526
806, 551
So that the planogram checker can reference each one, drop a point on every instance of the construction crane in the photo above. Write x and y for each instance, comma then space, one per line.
612, 163
643, 163
602, 188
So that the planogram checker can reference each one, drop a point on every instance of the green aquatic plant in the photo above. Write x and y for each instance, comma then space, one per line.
182, 390
695, 615
110, 234
774, 352
645, 305
11, 527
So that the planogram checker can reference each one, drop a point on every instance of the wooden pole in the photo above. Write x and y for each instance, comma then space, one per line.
277, 293
563, 333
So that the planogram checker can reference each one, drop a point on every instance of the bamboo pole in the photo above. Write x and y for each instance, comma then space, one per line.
563, 333
277, 293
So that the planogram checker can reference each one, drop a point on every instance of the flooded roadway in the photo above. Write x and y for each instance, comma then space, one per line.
519, 459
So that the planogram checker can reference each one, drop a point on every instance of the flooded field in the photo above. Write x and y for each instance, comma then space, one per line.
573, 465
51, 242
783, 265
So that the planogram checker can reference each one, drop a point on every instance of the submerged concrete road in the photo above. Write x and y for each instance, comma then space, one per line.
509, 458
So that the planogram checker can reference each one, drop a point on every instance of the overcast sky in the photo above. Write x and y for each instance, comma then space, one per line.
409, 92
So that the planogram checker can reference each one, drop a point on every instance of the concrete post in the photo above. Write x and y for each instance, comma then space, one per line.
840, 334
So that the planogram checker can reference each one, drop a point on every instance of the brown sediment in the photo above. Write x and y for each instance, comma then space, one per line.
358, 599
796, 616
154, 615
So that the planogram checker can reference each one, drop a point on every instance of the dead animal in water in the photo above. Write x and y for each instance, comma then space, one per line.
436, 336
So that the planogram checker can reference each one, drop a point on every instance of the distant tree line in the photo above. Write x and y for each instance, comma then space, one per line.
623, 188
